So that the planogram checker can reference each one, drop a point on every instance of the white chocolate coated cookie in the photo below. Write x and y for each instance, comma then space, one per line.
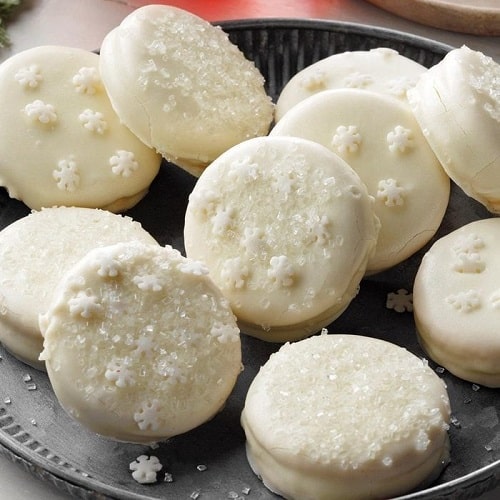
140, 345
286, 228
457, 103
456, 302
35, 252
380, 139
381, 70
181, 86
64, 144
339, 417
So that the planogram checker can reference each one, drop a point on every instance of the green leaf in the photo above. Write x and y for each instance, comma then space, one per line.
6, 9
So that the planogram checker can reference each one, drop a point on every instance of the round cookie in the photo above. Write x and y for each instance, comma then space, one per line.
457, 103
380, 139
139, 344
346, 417
64, 144
286, 228
381, 70
35, 251
181, 86
456, 302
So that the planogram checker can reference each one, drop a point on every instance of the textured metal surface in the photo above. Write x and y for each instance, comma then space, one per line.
35, 431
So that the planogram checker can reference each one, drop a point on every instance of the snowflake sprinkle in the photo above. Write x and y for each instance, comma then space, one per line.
67, 175
225, 333
234, 272
118, 372
465, 301
93, 121
390, 192
148, 282
29, 77
87, 81
147, 417
123, 163
399, 140
347, 139
193, 267
281, 270
84, 304
40, 111
145, 468
401, 301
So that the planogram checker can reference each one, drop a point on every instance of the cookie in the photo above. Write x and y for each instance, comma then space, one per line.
286, 228
456, 302
380, 139
344, 417
381, 70
181, 86
139, 344
35, 251
64, 144
457, 104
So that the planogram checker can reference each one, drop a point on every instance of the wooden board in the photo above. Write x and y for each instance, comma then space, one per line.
479, 17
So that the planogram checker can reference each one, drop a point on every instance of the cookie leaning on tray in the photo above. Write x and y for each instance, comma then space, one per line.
112, 272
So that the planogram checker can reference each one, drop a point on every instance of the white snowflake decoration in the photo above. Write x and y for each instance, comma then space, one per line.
171, 368
40, 111
252, 240
358, 80
118, 372
284, 183
470, 243
144, 345
107, 266
123, 163
84, 304
347, 139
87, 81
390, 193
222, 220
401, 301
93, 121
203, 201
29, 77
281, 270
399, 86
468, 263
234, 272
145, 468
400, 139
150, 282
67, 175
465, 301
314, 81
147, 417
243, 169
318, 229
193, 267
225, 333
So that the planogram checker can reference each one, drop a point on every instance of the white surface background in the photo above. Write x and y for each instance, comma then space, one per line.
84, 23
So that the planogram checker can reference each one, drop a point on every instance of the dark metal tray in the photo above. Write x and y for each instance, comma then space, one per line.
210, 462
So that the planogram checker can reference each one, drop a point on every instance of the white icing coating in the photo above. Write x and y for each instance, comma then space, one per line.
179, 84
456, 302
144, 355
34, 253
380, 139
62, 124
344, 417
287, 258
457, 103
380, 70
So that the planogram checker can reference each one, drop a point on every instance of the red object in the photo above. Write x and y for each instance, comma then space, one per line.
219, 10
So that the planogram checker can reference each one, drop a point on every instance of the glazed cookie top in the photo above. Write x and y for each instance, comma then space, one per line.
64, 144
139, 344
380, 139
182, 86
286, 229
456, 300
344, 405
457, 103
35, 251
381, 70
